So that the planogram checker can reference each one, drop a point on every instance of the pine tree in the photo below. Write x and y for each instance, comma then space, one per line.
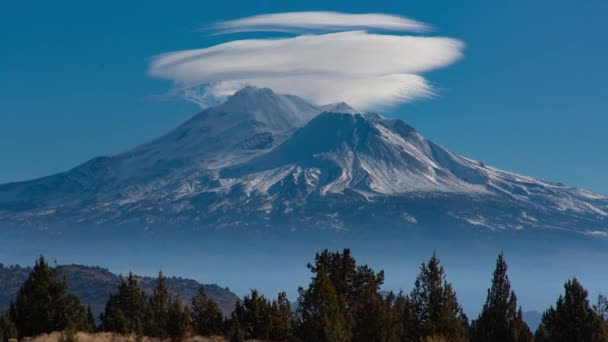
523, 332
159, 307
43, 304
127, 311
367, 316
282, 318
500, 320
541, 334
435, 309
371, 313
178, 320
389, 319
113, 318
573, 319
207, 318
321, 318
601, 307
8, 330
77, 315
91, 320
403, 311
236, 331
601, 310
254, 316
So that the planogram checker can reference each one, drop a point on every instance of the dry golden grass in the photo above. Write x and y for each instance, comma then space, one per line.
110, 337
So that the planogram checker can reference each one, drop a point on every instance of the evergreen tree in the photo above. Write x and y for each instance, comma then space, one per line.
321, 318
207, 318
573, 319
254, 316
113, 318
435, 309
541, 334
8, 329
236, 331
43, 304
371, 313
500, 320
178, 320
523, 332
367, 315
78, 316
281, 318
601, 310
159, 307
91, 319
404, 314
391, 315
127, 311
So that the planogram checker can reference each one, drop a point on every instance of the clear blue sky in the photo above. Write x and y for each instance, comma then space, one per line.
529, 96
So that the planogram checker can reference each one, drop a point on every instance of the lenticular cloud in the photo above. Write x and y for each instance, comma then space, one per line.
362, 68
319, 21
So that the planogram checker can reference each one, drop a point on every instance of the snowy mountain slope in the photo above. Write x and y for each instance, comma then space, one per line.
367, 157
250, 122
274, 160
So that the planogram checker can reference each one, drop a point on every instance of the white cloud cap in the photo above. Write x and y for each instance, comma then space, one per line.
366, 70
320, 21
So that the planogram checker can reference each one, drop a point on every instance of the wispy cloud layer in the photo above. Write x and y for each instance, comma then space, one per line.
320, 21
364, 69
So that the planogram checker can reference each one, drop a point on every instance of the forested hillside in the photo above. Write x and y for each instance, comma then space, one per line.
93, 284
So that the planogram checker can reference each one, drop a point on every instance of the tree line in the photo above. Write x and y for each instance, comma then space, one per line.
343, 302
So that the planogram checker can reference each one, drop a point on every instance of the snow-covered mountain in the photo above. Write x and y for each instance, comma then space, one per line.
277, 160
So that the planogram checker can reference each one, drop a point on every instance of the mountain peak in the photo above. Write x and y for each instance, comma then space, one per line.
251, 97
339, 107
255, 98
278, 112
253, 91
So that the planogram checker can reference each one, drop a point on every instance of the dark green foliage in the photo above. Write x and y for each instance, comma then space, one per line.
500, 320
572, 319
371, 314
8, 329
91, 319
236, 332
43, 304
281, 318
321, 318
258, 318
522, 330
127, 311
343, 302
403, 324
206, 316
393, 319
347, 296
541, 334
79, 317
601, 308
435, 311
159, 307
254, 316
178, 320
